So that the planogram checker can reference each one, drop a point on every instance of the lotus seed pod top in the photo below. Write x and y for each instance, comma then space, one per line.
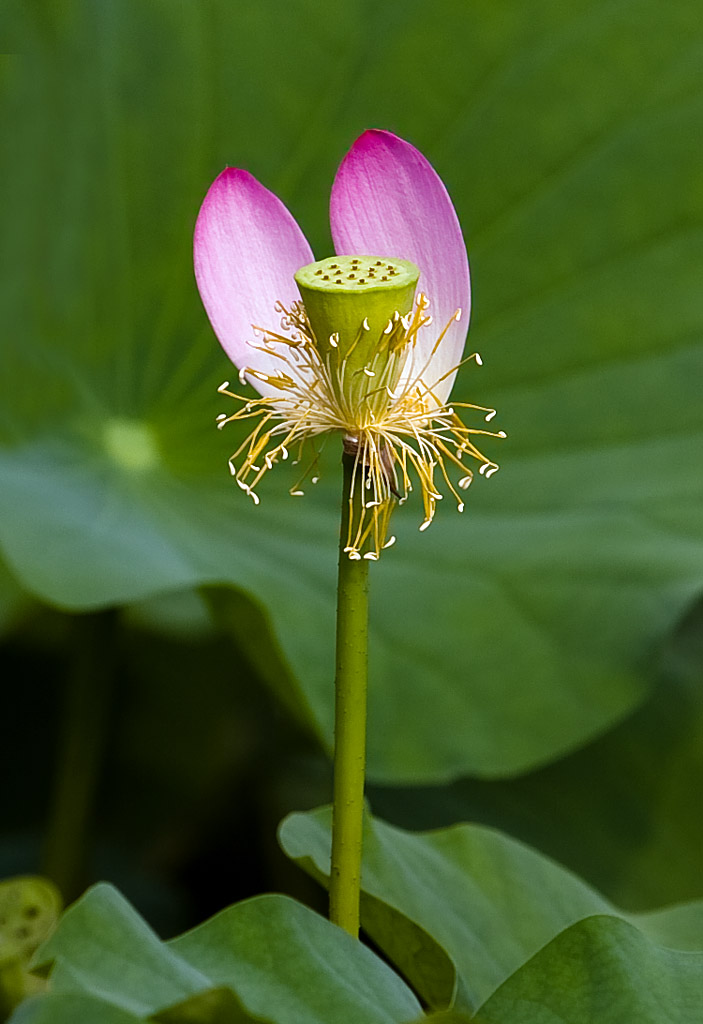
356, 307
365, 343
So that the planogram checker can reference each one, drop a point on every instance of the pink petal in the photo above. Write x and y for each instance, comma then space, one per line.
247, 246
387, 200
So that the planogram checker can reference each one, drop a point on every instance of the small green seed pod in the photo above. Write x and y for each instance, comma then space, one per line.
354, 305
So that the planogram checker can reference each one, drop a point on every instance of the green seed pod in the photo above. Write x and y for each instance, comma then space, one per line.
29, 910
355, 305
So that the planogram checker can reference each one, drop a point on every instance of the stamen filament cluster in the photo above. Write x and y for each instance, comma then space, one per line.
391, 420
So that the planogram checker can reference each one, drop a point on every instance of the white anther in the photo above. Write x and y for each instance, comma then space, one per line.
491, 471
501, 433
314, 480
257, 469
334, 339
369, 373
372, 504
366, 324
297, 494
490, 415
371, 556
252, 494
388, 328
222, 416
479, 361
423, 526
457, 315
389, 543
284, 452
406, 321
224, 385
460, 507
243, 376
354, 555
232, 469
466, 481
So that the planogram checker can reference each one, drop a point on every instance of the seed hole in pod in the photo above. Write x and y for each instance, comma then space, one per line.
31, 912
326, 277
350, 277
338, 281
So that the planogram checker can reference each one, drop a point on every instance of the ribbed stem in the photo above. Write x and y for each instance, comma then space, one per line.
349, 726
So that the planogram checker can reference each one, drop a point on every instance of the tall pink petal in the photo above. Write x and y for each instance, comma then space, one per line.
247, 246
387, 200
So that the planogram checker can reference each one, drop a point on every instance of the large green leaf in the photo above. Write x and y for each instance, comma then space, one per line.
567, 135
70, 1009
104, 948
623, 811
286, 962
279, 961
601, 971
488, 900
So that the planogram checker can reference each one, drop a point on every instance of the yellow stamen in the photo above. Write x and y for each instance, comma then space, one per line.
394, 432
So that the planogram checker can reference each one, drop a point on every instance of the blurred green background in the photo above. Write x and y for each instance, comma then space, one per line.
167, 647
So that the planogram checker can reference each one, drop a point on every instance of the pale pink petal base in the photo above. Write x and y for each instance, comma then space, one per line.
247, 247
387, 200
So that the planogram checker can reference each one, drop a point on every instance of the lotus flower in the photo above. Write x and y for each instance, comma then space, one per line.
359, 354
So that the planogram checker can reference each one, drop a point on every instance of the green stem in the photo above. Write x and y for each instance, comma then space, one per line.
81, 742
349, 727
